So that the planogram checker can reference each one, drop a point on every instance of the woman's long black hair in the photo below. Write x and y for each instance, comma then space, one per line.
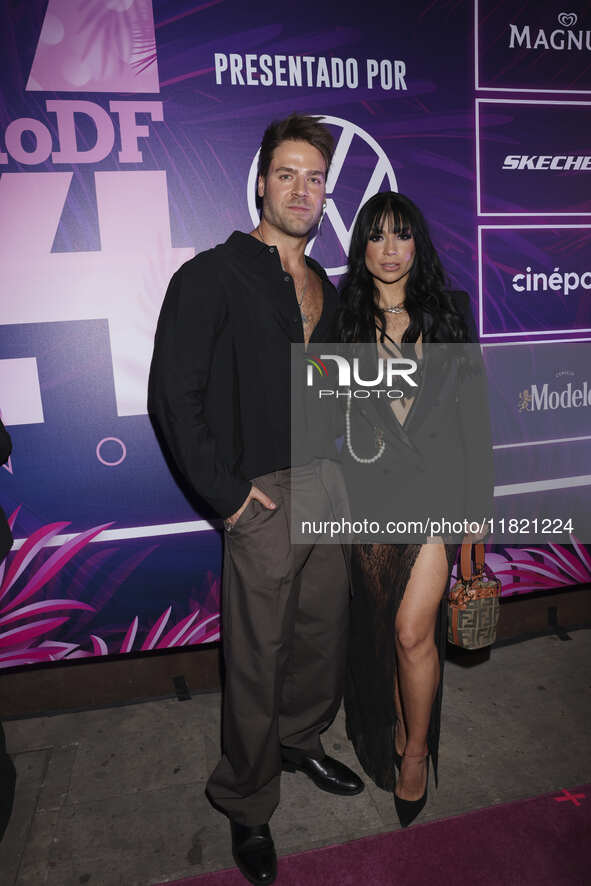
431, 311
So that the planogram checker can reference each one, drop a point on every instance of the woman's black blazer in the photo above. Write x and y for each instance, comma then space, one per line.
439, 462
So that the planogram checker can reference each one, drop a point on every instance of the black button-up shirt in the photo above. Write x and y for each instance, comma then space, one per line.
219, 389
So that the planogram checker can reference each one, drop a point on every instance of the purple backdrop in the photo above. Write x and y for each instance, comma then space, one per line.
129, 133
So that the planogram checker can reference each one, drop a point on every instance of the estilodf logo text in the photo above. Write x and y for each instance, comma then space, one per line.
558, 281
349, 375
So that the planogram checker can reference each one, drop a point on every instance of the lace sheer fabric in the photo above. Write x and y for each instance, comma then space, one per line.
380, 574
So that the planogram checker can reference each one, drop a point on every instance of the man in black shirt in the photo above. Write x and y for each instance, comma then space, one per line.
219, 395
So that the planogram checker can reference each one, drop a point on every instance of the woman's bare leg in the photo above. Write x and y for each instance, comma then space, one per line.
418, 661
400, 731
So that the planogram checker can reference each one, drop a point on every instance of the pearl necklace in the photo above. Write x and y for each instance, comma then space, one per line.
379, 439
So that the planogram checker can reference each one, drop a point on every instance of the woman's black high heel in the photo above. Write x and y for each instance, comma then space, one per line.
407, 810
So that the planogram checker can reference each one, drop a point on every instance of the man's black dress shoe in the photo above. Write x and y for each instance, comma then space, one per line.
326, 773
254, 852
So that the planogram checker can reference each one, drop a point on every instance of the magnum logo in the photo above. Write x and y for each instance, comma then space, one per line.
560, 39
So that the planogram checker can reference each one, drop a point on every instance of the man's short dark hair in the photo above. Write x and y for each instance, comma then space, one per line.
296, 127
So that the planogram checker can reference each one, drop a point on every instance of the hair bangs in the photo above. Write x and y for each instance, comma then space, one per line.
389, 215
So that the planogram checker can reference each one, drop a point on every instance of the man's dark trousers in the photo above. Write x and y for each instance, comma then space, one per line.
284, 623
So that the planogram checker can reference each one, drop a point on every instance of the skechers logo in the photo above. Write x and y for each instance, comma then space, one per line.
559, 162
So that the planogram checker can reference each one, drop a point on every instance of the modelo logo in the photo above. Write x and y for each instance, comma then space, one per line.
382, 170
563, 282
544, 398
560, 39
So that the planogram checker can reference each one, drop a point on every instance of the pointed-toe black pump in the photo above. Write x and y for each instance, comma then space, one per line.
407, 810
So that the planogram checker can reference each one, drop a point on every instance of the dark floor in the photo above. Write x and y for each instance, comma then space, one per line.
116, 796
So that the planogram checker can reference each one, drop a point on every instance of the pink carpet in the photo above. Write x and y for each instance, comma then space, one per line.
545, 841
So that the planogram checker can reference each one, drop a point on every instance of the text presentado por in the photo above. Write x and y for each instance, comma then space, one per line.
251, 69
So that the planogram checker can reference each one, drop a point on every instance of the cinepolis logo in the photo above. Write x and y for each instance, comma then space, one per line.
382, 170
563, 282
560, 39
349, 374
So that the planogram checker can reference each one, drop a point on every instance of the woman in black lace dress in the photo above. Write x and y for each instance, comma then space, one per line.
394, 295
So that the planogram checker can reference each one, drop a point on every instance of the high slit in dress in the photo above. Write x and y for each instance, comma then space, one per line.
380, 574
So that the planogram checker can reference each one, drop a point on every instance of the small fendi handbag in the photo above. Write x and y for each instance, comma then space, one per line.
473, 602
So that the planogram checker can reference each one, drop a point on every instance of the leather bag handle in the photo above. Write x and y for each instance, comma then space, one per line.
466, 560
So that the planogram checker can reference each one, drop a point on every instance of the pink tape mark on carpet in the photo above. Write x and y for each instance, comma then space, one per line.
573, 798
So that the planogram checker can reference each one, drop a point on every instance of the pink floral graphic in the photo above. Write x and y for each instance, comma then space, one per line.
186, 631
20, 628
521, 570
26, 626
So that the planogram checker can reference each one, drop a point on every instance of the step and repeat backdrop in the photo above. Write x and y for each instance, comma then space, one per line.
128, 140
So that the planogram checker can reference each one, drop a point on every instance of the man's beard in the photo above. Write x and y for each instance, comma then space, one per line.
291, 227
